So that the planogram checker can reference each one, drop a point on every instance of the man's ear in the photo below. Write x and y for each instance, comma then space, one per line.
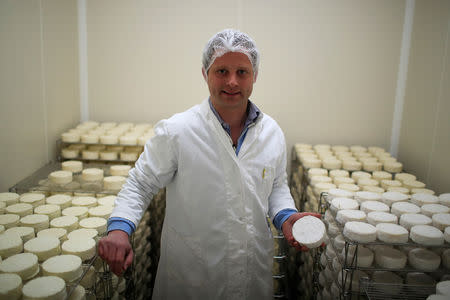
256, 76
205, 76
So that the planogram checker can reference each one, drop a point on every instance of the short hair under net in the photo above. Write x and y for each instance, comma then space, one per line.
230, 40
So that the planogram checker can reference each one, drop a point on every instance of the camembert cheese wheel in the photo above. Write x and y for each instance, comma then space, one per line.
116, 182
38, 222
343, 203
426, 235
392, 233
441, 221
424, 260
10, 244
10, 286
101, 211
107, 201
96, 223
45, 288
92, 174
51, 210
33, 199
120, 170
84, 201
60, 177
390, 258
347, 215
81, 247
25, 233
44, 247
309, 231
66, 266
370, 206
83, 233
69, 223
400, 208
410, 220
76, 211
23, 264
73, 166
390, 198
20, 209
432, 209
9, 198
360, 232
376, 217
63, 201
59, 233
363, 196
9, 220
444, 199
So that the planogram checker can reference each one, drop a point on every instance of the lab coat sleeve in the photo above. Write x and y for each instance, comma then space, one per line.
280, 197
153, 170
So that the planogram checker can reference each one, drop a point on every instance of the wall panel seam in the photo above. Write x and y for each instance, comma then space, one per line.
43, 83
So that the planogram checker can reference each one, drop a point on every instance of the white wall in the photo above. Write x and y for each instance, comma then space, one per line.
328, 68
38, 83
425, 136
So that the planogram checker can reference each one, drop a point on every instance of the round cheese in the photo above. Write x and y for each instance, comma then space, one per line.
376, 217
66, 266
432, 209
373, 189
115, 182
333, 230
109, 139
307, 162
413, 184
390, 258
447, 234
63, 201
309, 231
444, 199
338, 193
443, 288
381, 175
393, 167
60, 177
33, 199
67, 222
20, 209
424, 260
120, 170
108, 155
92, 174
38, 222
418, 278
10, 244
331, 163
343, 203
69, 153
51, 210
360, 175
317, 172
83, 233
88, 279
78, 293
101, 211
129, 156
99, 224
372, 166
385, 184
81, 247
366, 196
25, 233
441, 221
322, 187
23, 264
73, 166
445, 256
10, 287
390, 198
364, 259
349, 187
351, 165
59, 233
9, 220
347, 215
410, 220
76, 211
426, 235
84, 201
89, 139
422, 191
338, 173
89, 154
360, 232
340, 180
422, 199
369, 206
392, 233
107, 201
401, 190
128, 140
2, 207
339, 243
45, 288
44, 247
405, 177
400, 208
9, 198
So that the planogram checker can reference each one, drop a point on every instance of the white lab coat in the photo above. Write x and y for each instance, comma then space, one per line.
215, 243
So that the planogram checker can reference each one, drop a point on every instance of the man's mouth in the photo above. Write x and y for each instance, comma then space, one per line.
231, 93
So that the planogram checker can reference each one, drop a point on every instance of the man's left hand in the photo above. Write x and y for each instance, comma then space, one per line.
287, 229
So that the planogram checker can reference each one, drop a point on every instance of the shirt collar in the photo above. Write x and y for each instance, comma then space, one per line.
253, 113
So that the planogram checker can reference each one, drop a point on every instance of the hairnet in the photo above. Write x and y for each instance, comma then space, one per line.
230, 40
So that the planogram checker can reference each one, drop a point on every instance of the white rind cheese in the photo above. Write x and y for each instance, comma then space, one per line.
390, 258
343, 203
99, 224
400, 208
60, 177
432, 209
422, 199
73, 166
77, 211
410, 220
426, 235
92, 174
69, 223
443, 288
10, 286
84, 201
360, 232
51, 210
23, 264
81, 247
447, 234
9, 198
45, 288
115, 182
83, 233
370, 206
366, 196
309, 231
364, 259
59, 233
423, 260
63, 201
392, 233
390, 198
9, 220
38, 222
10, 244
120, 170
66, 266
441, 221
33, 199
107, 201
26, 233
377, 217
347, 215
101, 211
20, 209
44, 247
444, 199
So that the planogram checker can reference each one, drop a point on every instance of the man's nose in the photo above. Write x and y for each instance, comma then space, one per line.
232, 80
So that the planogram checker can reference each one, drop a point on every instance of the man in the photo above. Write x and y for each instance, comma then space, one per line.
224, 165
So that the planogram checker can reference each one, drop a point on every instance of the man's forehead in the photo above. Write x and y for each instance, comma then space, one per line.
233, 58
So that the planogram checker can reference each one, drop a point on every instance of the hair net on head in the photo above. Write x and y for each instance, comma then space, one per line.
230, 40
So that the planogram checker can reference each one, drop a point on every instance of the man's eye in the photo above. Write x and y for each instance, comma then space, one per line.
242, 72
221, 71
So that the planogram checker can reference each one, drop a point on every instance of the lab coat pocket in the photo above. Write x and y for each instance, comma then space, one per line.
268, 175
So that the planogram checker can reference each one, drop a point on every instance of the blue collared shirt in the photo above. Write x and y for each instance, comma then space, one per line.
252, 114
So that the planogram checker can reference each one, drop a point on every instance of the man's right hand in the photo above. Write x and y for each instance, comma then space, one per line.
116, 250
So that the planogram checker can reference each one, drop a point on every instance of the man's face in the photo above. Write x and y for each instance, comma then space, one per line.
230, 81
